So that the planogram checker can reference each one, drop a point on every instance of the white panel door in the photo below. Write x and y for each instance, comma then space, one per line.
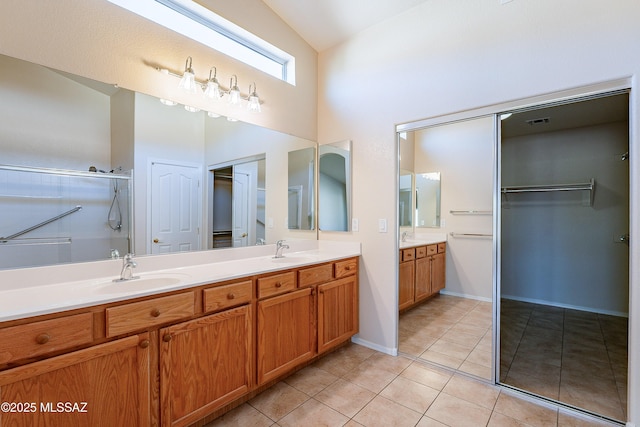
174, 208
240, 209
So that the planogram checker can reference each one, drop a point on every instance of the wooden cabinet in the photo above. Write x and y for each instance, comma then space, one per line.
337, 312
104, 385
421, 274
204, 364
406, 283
175, 358
286, 333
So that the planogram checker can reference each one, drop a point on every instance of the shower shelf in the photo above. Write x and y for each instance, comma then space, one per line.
585, 186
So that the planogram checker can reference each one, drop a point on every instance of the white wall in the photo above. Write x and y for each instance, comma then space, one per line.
463, 154
443, 57
536, 227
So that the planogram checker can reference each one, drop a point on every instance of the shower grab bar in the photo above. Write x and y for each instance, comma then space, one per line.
42, 224
470, 212
553, 187
453, 234
38, 241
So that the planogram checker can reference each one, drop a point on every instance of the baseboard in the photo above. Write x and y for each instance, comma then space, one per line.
569, 306
374, 346
468, 296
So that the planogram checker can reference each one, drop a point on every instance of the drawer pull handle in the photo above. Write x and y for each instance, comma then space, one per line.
167, 337
144, 344
230, 295
348, 267
43, 338
155, 312
278, 285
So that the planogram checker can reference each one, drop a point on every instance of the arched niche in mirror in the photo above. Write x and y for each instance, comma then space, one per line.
334, 184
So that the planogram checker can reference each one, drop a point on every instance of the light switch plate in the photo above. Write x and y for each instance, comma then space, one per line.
382, 225
270, 222
355, 224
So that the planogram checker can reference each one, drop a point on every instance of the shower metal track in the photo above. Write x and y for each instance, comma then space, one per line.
42, 224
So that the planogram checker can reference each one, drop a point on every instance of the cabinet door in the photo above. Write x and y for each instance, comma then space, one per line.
286, 333
337, 312
406, 282
438, 273
105, 385
204, 364
423, 278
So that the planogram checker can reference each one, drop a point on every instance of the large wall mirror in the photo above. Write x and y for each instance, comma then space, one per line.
124, 157
301, 172
334, 186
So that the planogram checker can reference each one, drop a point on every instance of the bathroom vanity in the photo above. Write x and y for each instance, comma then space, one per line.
421, 271
120, 354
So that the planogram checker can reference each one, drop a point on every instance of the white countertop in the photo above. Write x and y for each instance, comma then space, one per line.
43, 290
422, 240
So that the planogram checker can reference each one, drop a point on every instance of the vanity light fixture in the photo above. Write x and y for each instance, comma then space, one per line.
188, 80
254, 100
212, 89
234, 92
213, 115
191, 109
168, 102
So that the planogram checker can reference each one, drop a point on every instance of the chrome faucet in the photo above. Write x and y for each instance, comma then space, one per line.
128, 264
404, 236
279, 247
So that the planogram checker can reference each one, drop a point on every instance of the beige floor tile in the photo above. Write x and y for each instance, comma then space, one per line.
479, 371
453, 411
372, 378
243, 415
278, 401
527, 412
311, 380
499, 420
313, 413
473, 391
392, 364
474, 330
566, 419
345, 397
455, 350
352, 423
431, 377
441, 359
383, 412
429, 422
462, 338
409, 393
480, 356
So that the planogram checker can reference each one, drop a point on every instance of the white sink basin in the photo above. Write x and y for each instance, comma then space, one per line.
143, 283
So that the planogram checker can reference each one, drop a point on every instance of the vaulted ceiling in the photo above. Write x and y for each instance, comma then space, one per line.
326, 23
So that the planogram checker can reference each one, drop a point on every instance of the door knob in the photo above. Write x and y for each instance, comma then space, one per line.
156, 240
244, 235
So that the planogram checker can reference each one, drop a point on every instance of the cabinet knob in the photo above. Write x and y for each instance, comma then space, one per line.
144, 344
167, 337
278, 285
230, 296
348, 267
43, 338
155, 312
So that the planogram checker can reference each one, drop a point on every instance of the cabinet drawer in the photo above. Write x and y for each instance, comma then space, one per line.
432, 249
144, 314
221, 297
276, 284
421, 252
346, 268
315, 275
442, 247
34, 339
408, 254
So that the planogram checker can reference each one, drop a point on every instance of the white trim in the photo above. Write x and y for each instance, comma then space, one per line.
386, 350
569, 306
467, 296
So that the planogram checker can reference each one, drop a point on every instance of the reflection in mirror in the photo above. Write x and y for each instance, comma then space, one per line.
405, 212
428, 199
334, 186
237, 212
301, 183
57, 121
